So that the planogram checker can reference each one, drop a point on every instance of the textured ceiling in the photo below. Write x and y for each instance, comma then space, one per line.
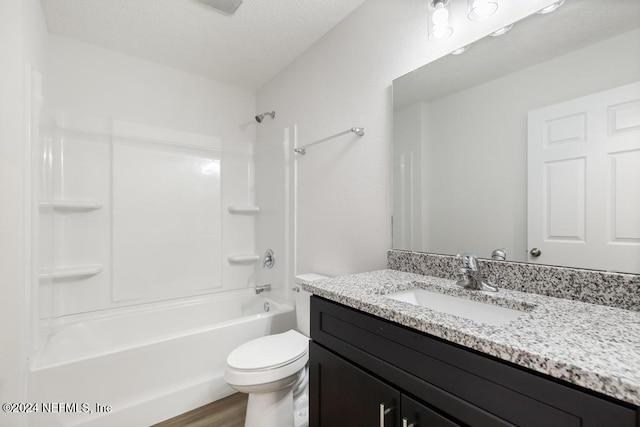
246, 49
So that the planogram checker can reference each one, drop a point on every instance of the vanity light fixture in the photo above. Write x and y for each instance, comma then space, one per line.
501, 31
550, 8
439, 26
480, 9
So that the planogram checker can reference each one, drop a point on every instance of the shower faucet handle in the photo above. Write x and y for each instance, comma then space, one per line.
269, 259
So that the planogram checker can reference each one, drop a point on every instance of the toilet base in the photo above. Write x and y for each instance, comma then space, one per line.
274, 409
282, 403
301, 411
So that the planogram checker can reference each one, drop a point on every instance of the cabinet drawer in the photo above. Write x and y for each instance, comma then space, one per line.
437, 371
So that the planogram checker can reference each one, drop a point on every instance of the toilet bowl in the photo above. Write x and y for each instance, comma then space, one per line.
267, 368
273, 371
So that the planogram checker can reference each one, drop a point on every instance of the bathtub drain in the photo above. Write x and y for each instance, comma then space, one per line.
267, 307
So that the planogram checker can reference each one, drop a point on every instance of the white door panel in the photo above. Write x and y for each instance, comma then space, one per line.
564, 200
624, 191
563, 130
624, 117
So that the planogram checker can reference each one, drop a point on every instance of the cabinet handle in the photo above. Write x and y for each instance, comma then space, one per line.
405, 423
383, 411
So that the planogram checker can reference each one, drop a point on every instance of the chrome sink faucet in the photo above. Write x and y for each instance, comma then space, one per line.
471, 276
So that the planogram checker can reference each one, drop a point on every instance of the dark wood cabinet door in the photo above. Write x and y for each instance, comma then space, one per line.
344, 395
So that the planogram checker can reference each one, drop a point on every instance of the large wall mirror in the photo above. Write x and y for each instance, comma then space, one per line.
528, 143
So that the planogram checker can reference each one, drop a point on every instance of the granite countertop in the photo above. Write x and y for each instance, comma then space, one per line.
593, 346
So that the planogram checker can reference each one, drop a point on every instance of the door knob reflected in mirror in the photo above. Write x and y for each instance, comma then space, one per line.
535, 252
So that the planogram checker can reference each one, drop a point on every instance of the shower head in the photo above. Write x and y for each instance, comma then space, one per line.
259, 117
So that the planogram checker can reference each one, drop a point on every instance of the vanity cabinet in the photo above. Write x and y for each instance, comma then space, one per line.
352, 397
367, 371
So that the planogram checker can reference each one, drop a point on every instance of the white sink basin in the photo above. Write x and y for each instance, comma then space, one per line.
461, 307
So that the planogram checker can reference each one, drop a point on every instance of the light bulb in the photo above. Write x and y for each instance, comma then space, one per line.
440, 28
440, 14
460, 50
481, 9
550, 8
501, 31
441, 32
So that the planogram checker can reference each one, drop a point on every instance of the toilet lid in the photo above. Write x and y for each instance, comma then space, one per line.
269, 352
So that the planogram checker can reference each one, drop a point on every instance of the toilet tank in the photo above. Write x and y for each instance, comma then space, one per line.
302, 299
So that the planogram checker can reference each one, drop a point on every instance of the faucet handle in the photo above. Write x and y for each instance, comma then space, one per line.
471, 277
469, 261
499, 254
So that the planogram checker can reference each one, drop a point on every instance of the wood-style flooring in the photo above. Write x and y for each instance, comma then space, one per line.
227, 412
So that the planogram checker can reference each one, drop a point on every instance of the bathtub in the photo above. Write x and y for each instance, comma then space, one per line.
141, 365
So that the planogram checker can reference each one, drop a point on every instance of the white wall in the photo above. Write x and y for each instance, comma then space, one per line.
344, 80
105, 83
87, 83
22, 32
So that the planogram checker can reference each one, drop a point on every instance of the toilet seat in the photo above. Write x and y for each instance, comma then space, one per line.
267, 359
269, 352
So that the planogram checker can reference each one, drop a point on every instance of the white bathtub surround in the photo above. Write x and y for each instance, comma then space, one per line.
274, 225
152, 362
22, 36
131, 221
135, 303
133, 213
116, 143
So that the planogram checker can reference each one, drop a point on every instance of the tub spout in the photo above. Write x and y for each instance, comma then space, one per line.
263, 288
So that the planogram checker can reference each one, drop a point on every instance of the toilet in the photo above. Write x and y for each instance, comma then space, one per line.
273, 371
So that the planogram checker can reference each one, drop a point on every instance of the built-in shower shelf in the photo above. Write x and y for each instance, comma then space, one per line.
243, 210
72, 205
243, 258
72, 272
